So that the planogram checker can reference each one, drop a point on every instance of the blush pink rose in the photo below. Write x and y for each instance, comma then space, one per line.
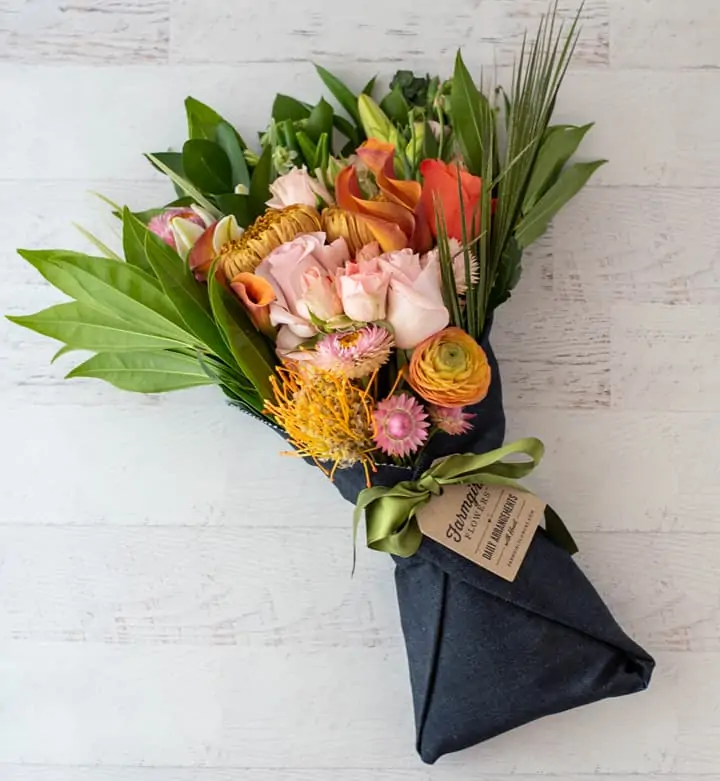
298, 187
415, 306
363, 289
301, 273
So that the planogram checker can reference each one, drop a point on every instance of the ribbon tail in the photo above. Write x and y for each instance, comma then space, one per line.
558, 532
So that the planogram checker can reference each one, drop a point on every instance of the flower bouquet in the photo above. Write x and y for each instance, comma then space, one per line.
337, 281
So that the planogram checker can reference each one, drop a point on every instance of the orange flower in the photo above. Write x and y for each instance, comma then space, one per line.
256, 294
396, 217
450, 369
441, 186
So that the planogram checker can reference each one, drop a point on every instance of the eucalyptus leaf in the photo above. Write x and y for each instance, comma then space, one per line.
344, 96
84, 327
113, 286
284, 107
252, 352
558, 145
569, 183
228, 140
207, 166
144, 372
471, 117
188, 296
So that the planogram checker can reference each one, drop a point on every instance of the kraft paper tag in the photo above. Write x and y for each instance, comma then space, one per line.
492, 525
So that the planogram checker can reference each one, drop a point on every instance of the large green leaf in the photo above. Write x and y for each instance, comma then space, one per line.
344, 96
112, 286
207, 166
189, 297
320, 120
84, 327
395, 106
239, 205
284, 107
144, 372
471, 117
568, 184
251, 350
260, 184
558, 145
348, 130
228, 140
307, 148
134, 230
204, 121
184, 185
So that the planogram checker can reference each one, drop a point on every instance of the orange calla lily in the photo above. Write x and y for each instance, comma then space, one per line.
396, 218
256, 294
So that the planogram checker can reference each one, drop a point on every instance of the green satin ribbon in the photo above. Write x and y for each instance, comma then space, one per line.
390, 512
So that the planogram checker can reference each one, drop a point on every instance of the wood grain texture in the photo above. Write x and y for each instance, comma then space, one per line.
175, 599
99, 31
665, 34
405, 31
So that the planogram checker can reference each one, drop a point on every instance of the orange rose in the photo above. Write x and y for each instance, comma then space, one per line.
441, 187
450, 369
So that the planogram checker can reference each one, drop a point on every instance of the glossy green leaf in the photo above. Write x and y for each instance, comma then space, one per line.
144, 372
188, 296
207, 166
320, 120
471, 117
113, 286
569, 183
348, 130
228, 140
322, 152
84, 327
203, 121
307, 148
344, 96
260, 183
284, 107
369, 87
184, 185
558, 145
396, 107
169, 162
251, 350
239, 205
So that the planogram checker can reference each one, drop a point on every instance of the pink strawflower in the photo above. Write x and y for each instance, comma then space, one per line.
400, 425
356, 353
160, 223
451, 420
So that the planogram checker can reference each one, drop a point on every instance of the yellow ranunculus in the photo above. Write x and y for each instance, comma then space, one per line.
450, 369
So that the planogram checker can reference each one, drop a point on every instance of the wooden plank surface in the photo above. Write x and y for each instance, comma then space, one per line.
175, 599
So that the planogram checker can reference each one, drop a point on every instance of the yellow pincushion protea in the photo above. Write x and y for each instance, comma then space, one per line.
326, 416
450, 369
275, 227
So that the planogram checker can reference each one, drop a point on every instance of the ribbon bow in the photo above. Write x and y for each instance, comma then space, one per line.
390, 512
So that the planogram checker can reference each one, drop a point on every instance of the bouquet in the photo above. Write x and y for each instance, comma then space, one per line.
337, 281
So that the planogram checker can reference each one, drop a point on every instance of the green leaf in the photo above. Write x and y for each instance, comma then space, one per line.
94, 240
188, 296
508, 275
344, 96
144, 372
239, 205
286, 128
320, 120
307, 149
322, 152
228, 140
369, 87
396, 107
134, 230
347, 129
202, 120
251, 351
112, 286
84, 327
471, 117
431, 146
183, 184
569, 183
207, 166
260, 184
558, 145
167, 163
284, 107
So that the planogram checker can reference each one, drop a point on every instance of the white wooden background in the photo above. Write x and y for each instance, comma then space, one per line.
175, 599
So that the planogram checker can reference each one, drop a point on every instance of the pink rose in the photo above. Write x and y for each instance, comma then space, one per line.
297, 186
301, 273
415, 308
363, 288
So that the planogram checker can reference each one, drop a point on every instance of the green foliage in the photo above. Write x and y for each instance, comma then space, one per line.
207, 166
284, 107
472, 118
412, 88
228, 140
